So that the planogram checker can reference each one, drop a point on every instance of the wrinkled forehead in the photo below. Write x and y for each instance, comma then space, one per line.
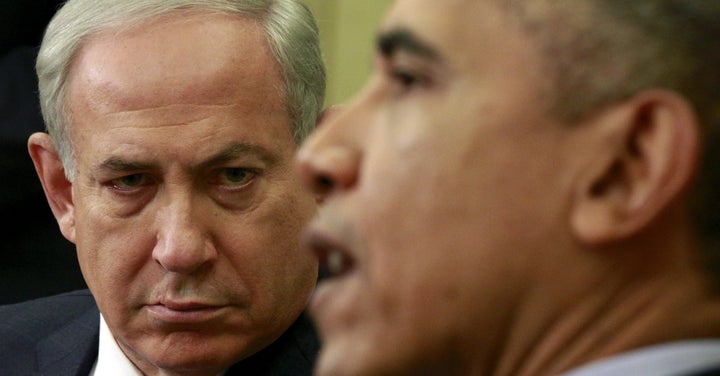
199, 57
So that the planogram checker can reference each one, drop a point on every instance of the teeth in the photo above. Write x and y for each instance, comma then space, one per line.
335, 262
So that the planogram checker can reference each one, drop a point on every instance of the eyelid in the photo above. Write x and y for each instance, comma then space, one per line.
407, 77
407, 71
117, 184
219, 174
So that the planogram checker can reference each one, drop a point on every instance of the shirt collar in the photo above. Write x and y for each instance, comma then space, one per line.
665, 359
111, 359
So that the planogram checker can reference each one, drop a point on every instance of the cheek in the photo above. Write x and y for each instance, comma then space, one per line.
114, 257
110, 250
278, 224
430, 236
409, 262
265, 245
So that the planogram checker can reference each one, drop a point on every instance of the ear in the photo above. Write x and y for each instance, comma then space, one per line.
58, 190
649, 162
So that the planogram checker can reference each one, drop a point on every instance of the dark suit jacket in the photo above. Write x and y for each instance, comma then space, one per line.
707, 372
58, 336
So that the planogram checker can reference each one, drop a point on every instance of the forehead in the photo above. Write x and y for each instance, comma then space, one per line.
184, 83
460, 30
451, 20
184, 57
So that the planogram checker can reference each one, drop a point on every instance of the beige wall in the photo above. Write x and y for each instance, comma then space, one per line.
347, 37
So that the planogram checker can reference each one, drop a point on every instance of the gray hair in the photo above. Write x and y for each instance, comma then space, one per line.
291, 32
600, 52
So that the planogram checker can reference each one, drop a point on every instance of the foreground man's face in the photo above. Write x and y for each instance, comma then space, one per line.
432, 210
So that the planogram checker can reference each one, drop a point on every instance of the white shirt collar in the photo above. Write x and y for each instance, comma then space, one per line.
660, 360
111, 360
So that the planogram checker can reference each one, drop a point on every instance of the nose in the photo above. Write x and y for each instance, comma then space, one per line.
183, 245
329, 160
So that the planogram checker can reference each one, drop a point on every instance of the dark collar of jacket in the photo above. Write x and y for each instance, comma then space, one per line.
65, 329
73, 349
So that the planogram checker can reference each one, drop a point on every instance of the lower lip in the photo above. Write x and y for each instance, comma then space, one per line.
190, 316
317, 297
324, 296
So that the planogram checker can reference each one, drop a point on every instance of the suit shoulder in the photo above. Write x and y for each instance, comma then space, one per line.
64, 305
34, 319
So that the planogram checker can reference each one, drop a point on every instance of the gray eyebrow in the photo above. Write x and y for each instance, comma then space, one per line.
230, 153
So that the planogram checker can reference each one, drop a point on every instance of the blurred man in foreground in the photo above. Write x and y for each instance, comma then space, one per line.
525, 188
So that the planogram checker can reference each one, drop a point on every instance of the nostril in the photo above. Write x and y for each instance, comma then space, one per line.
327, 170
324, 184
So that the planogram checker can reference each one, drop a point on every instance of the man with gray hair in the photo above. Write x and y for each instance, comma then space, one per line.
168, 161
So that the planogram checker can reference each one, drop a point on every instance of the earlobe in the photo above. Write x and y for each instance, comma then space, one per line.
58, 190
651, 162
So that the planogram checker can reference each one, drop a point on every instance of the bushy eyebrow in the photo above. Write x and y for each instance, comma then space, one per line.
236, 151
390, 42
228, 154
120, 165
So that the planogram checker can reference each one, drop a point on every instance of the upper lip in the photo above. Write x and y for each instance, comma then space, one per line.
333, 257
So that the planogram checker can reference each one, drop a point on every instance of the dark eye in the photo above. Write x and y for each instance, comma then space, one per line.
235, 176
130, 182
404, 78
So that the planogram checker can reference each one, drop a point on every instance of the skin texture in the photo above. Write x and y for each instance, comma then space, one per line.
438, 148
186, 211
472, 232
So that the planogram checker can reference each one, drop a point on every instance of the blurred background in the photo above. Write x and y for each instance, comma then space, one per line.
35, 260
347, 30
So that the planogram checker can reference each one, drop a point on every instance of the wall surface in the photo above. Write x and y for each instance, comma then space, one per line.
347, 36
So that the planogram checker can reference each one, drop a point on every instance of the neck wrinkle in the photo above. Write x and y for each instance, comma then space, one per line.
609, 319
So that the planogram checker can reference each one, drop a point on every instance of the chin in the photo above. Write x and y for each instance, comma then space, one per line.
357, 357
190, 356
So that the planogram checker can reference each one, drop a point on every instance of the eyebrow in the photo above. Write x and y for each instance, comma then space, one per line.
238, 150
391, 42
228, 154
121, 165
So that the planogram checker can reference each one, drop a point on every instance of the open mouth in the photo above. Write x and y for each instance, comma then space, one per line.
334, 260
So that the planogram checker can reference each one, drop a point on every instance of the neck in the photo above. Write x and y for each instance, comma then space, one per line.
613, 316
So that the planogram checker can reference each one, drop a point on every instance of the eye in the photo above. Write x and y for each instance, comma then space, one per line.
406, 74
234, 177
404, 78
130, 182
